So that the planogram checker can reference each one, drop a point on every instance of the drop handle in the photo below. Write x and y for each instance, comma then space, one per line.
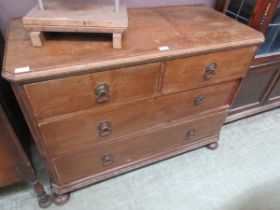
191, 134
102, 93
199, 100
210, 70
104, 128
107, 159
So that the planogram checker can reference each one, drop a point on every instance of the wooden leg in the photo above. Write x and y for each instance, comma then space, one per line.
117, 41
213, 145
61, 199
37, 38
44, 199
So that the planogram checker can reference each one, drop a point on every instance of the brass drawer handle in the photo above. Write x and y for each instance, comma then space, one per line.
104, 128
107, 159
210, 70
191, 134
102, 92
199, 100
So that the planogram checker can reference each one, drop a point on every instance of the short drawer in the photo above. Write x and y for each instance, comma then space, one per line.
198, 71
60, 96
97, 126
106, 158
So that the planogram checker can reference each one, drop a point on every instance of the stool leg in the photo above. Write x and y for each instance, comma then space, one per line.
44, 199
117, 41
37, 38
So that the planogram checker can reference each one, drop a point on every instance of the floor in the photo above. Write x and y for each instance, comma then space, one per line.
243, 174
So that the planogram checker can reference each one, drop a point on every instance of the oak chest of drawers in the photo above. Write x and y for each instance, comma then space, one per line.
96, 112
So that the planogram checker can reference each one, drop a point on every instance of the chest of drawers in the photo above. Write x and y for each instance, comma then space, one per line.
96, 112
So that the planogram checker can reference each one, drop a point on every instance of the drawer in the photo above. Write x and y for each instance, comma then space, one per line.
60, 96
97, 126
105, 158
198, 71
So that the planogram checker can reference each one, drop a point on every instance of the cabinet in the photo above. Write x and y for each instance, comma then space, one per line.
260, 90
95, 112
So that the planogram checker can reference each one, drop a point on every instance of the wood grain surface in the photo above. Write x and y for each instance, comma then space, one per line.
138, 148
187, 73
71, 132
49, 98
185, 30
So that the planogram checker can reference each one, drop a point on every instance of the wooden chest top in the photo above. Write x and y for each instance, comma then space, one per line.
154, 34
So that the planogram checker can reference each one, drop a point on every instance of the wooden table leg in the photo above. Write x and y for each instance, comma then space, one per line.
37, 38
44, 199
117, 41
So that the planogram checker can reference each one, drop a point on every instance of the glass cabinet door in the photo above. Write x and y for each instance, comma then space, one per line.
240, 10
271, 45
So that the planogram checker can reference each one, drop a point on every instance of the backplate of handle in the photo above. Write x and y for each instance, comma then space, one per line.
102, 93
107, 159
191, 133
104, 128
210, 70
199, 100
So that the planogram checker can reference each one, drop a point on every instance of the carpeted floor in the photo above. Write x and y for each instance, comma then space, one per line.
243, 174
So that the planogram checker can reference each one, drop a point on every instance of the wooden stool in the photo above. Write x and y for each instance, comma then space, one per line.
59, 16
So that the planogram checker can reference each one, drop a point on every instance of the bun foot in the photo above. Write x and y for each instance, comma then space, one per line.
44, 199
213, 145
61, 199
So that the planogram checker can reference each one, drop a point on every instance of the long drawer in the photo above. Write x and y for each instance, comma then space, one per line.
97, 126
104, 158
66, 95
198, 71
